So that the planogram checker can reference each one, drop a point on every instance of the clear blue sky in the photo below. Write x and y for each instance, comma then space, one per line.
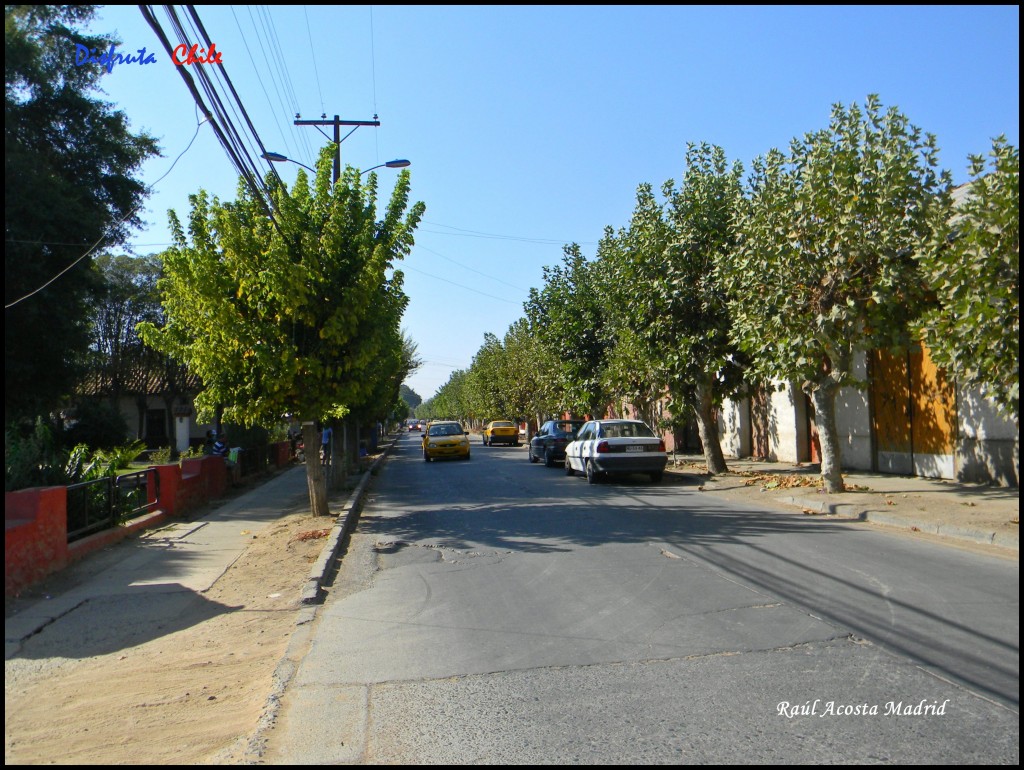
531, 127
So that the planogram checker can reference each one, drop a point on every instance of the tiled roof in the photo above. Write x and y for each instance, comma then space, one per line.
142, 381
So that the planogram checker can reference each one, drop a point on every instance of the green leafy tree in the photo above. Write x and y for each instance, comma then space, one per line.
485, 380
396, 361
826, 264
410, 396
567, 314
630, 375
973, 329
526, 373
128, 297
452, 401
674, 325
288, 315
69, 166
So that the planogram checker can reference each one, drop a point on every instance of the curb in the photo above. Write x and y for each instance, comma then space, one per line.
951, 531
312, 591
312, 594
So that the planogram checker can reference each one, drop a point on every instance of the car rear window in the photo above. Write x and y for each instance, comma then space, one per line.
626, 430
502, 425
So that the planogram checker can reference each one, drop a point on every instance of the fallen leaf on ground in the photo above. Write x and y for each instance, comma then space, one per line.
780, 480
312, 534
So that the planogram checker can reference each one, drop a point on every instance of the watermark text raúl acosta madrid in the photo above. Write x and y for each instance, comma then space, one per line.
831, 708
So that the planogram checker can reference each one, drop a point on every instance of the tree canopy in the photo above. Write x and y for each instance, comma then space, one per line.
826, 261
665, 297
567, 314
298, 314
973, 327
69, 170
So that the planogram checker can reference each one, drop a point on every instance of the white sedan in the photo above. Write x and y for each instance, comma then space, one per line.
603, 447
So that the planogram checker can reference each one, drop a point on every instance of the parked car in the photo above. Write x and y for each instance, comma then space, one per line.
501, 432
551, 440
604, 447
445, 439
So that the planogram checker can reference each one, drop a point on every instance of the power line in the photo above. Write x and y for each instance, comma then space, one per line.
119, 222
373, 78
477, 234
226, 132
461, 286
260, 80
312, 51
467, 267
280, 61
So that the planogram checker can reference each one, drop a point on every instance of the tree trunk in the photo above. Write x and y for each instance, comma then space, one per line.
314, 471
707, 427
824, 398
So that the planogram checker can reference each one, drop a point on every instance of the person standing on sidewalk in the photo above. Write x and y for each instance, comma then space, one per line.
326, 445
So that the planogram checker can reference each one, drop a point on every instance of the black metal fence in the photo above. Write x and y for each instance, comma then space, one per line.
253, 460
100, 504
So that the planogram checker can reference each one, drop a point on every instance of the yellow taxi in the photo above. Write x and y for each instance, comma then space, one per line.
445, 439
501, 432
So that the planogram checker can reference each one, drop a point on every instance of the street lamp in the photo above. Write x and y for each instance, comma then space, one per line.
401, 163
277, 157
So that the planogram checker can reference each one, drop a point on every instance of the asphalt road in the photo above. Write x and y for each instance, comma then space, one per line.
494, 611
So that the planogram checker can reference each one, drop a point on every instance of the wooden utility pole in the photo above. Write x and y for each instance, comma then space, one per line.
338, 123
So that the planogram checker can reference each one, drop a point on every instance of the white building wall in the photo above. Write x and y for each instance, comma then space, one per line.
734, 428
786, 416
988, 443
853, 420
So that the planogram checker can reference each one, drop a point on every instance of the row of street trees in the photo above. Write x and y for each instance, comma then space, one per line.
847, 243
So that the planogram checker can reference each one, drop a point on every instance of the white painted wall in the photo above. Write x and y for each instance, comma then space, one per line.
853, 420
734, 428
785, 412
988, 443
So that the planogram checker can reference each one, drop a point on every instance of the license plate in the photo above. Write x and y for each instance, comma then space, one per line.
634, 449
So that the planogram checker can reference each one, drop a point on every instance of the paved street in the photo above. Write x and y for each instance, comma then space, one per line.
495, 611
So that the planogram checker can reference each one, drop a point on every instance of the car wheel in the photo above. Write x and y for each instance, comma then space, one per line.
591, 473
516, 444
656, 476
569, 470
529, 452
467, 456
549, 461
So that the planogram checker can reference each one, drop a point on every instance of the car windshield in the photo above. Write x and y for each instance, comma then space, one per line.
625, 430
502, 425
450, 429
566, 429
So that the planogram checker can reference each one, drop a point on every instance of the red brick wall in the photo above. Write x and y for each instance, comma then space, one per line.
35, 536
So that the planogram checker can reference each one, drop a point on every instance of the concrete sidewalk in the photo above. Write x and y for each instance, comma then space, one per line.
969, 513
186, 556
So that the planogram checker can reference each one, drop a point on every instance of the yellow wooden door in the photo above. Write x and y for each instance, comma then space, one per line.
913, 414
